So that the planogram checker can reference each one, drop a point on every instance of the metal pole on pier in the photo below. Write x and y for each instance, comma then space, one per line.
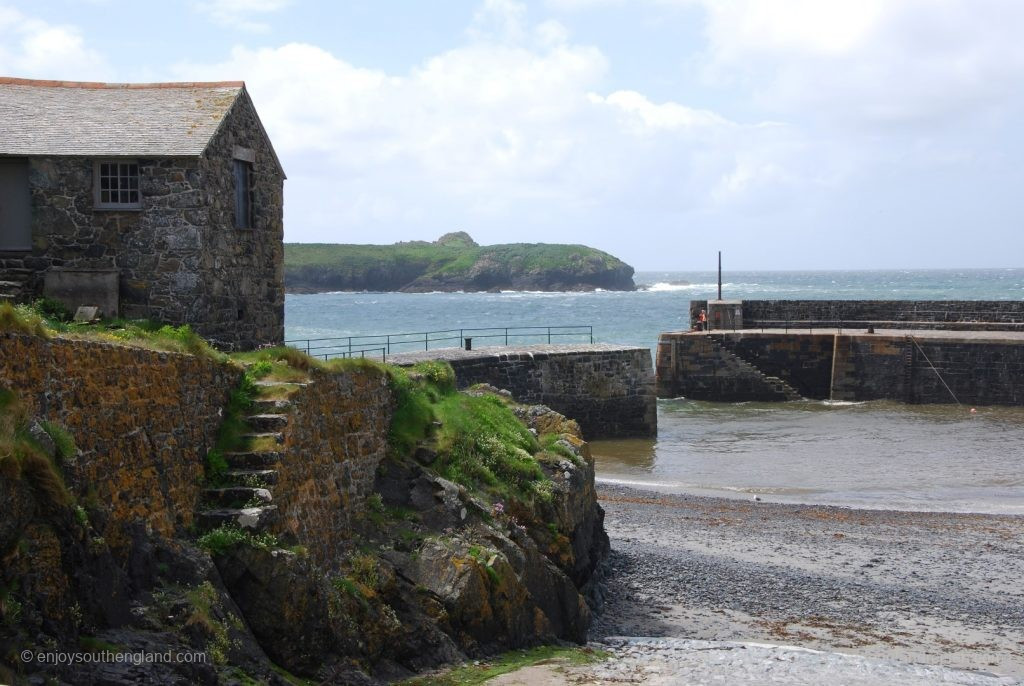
719, 274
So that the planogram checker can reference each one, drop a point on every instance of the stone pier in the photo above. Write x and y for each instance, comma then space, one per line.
609, 389
908, 365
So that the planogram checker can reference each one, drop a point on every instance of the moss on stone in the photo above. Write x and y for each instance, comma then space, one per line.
225, 537
484, 670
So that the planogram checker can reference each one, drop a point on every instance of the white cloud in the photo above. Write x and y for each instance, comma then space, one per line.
33, 48
238, 14
510, 127
870, 61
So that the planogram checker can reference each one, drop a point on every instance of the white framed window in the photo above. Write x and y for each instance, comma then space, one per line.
117, 185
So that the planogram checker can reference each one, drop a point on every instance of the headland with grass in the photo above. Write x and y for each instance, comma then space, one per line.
454, 262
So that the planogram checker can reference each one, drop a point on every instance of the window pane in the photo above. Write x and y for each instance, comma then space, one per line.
133, 197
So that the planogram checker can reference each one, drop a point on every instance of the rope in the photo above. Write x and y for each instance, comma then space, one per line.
935, 370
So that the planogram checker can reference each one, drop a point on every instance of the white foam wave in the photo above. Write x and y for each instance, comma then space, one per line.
663, 286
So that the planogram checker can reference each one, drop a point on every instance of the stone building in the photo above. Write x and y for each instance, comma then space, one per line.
161, 201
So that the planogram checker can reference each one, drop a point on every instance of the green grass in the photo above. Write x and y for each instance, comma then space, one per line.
22, 458
480, 442
225, 537
62, 439
233, 427
473, 674
414, 414
44, 318
22, 319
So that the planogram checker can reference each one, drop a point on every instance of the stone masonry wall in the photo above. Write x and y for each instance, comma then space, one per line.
179, 257
143, 421
608, 389
700, 368
937, 314
978, 372
156, 249
804, 361
335, 439
241, 271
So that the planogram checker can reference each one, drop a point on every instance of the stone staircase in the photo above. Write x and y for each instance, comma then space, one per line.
245, 498
776, 387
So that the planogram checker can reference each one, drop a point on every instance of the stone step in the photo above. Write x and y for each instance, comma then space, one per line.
260, 478
275, 436
238, 496
250, 518
292, 384
271, 406
252, 459
267, 423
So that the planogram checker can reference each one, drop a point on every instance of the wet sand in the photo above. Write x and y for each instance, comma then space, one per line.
901, 597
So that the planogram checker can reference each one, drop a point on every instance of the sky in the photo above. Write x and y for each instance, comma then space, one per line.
789, 134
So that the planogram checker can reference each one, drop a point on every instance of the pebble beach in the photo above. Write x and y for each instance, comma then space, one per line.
709, 590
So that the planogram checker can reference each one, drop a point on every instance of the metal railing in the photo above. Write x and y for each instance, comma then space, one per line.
801, 324
383, 345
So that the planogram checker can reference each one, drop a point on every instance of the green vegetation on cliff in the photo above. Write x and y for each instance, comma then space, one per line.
452, 263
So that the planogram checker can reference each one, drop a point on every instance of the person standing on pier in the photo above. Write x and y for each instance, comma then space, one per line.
702, 321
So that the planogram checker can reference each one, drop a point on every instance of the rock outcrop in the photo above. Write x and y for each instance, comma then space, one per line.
422, 569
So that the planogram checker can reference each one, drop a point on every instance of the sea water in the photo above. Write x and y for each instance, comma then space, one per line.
877, 454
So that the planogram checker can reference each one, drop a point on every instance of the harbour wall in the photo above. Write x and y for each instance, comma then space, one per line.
976, 315
608, 389
924, 367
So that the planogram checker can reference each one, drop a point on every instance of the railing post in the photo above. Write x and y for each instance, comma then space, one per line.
506, 335
549, 335
426, 340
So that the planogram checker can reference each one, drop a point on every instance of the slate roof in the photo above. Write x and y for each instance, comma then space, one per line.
66, 118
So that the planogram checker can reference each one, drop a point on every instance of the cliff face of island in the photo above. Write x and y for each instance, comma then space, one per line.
454, 262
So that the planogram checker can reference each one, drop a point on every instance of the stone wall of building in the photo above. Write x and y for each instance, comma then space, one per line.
992, 315
143, 421
241, 271
608, 389
335, 439
179, 257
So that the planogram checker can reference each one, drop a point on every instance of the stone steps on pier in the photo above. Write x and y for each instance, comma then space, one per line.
777, 389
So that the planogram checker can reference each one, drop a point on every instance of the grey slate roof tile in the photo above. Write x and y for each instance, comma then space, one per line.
59, 118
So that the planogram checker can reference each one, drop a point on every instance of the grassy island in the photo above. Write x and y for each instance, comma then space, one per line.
454, 262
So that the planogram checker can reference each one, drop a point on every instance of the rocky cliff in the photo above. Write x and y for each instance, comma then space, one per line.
417, 525
452, 263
